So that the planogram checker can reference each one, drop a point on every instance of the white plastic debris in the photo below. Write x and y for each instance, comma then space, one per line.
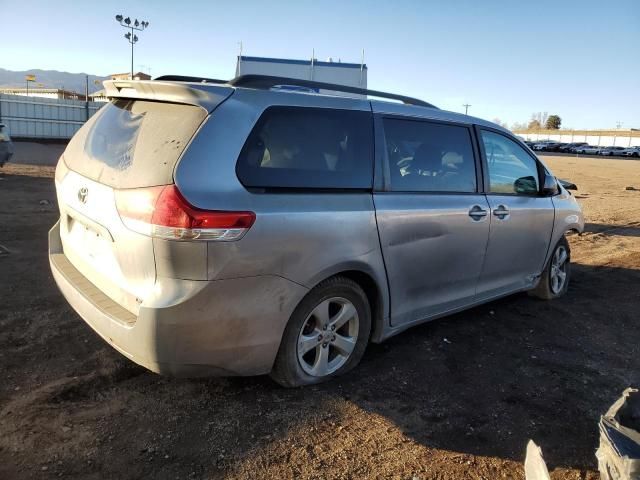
619, 452
535, 467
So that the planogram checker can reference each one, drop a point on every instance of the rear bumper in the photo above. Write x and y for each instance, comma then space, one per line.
189, 328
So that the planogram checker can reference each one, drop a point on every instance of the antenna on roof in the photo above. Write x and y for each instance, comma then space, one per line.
362, 68
238, 73
313, 55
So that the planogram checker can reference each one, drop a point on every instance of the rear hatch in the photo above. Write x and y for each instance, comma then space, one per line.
131, 143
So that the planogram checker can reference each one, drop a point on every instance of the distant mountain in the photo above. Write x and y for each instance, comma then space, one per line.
50, 79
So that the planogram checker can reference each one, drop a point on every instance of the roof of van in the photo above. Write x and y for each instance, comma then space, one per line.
209, 92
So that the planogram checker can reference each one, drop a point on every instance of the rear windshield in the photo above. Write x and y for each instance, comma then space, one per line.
133, 143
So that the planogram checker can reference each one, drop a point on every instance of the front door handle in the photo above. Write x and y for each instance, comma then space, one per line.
501, 212
477, 212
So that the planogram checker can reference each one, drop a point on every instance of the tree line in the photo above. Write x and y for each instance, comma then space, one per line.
538, 121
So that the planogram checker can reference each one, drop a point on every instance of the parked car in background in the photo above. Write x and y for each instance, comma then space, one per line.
568, 147
6, 145
543, 145
611, 151
588, 150
301, 246
631, 152
555, 147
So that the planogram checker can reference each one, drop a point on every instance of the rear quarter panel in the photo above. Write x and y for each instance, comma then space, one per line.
303, 237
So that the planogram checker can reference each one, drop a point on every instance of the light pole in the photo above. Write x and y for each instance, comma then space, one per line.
135, 25
29, 78
466, 107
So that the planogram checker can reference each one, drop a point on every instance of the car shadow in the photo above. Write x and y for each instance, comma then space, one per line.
487, 380
481, 382
632, 230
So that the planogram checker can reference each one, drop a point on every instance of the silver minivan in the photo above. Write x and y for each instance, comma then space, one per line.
262, 225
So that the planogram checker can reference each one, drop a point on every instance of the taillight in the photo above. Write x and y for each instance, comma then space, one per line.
163, 212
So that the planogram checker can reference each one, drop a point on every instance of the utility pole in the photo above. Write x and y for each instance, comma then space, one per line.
145, 68
466, 107
130, 36
86, 97
362, 70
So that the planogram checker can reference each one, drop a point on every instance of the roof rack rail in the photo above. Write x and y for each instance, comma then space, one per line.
183, 78
267, 82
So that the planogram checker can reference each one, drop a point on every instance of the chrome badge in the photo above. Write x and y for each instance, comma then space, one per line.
82, 194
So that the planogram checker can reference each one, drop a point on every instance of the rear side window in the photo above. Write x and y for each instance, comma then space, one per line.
133, 143
429, 157
295, 147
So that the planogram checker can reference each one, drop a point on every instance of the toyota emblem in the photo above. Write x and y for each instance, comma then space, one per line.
82, 194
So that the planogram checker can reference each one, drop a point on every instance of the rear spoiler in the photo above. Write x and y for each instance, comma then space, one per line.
205, 96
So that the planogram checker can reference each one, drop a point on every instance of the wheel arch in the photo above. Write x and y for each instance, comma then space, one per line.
374, 286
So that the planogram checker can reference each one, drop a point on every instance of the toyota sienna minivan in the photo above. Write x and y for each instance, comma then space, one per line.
245, 228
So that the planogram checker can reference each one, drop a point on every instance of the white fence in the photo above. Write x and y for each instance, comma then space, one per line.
36, 117
621, 140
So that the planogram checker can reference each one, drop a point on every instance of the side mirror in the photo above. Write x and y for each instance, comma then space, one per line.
526, 186
567, 185
550, 186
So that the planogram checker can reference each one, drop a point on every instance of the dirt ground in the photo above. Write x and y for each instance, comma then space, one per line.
419, 406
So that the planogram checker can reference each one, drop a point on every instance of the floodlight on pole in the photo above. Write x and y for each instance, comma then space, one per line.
130, 36
29, 78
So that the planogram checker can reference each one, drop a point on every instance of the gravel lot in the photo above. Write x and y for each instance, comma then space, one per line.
418, 406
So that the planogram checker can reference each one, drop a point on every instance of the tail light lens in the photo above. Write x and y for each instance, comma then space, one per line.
164, 213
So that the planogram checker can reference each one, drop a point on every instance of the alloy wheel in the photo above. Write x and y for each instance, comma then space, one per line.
558, 271
328, 337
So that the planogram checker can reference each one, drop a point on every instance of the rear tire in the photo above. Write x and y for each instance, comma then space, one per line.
554, 280
326, 336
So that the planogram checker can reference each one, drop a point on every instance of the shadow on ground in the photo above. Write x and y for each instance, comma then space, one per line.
631, 230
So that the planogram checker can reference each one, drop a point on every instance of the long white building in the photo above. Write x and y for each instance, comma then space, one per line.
350, 74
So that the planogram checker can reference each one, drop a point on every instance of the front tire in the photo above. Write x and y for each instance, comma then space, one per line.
326, 336
554, 280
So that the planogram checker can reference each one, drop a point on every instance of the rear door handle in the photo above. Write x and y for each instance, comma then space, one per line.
501, 212
477, 212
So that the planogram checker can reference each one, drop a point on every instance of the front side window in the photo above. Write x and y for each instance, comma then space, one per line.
511, 169
295, 147
429, 157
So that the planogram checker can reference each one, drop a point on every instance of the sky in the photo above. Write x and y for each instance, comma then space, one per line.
579, 59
